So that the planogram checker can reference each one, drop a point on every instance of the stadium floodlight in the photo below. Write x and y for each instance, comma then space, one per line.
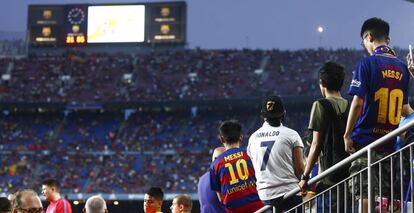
320, 29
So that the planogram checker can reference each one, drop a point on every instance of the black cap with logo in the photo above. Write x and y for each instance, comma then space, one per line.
272, 107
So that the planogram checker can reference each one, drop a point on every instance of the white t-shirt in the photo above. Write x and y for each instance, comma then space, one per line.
271, 151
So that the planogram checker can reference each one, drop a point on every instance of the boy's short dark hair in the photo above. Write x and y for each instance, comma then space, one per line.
231, 131
52, 183
155, 192
333, 75
379, 28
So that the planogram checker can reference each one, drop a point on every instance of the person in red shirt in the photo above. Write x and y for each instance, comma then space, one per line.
153, 199
51, 191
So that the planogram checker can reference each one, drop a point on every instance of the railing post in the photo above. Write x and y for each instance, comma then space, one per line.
370, 185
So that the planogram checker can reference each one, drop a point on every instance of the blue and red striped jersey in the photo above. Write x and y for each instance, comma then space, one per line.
232, 174
382, 81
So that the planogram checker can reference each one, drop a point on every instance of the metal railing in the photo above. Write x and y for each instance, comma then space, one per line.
349, 200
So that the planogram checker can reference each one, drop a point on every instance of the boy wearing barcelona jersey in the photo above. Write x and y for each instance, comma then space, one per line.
380, 97
232, 175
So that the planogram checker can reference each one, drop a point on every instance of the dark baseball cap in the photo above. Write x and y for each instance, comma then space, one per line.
272, 107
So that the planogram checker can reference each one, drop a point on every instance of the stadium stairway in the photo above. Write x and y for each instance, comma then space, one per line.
89, 181
37, 173
10, 67
264, 62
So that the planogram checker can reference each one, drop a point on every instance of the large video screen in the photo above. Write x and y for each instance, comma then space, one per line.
114, 24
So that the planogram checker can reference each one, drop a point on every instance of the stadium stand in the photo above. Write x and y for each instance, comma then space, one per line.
103, 152
120, 152
76, 78
167, 76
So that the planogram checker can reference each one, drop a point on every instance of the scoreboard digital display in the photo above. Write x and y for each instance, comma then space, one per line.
86, 24
74, 30
167, 23
45, 15
114, 24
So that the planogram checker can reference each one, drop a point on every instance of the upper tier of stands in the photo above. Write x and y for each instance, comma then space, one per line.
167, 76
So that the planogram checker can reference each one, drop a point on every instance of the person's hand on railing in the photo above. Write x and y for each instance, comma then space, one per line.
349, 144
303, 185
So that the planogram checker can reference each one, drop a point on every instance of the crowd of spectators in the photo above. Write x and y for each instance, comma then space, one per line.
109, 152
104, 152
168, 76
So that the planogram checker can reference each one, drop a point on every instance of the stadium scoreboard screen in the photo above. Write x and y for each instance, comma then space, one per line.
87, 25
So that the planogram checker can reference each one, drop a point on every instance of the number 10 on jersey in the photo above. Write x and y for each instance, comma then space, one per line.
389, 106
241, 169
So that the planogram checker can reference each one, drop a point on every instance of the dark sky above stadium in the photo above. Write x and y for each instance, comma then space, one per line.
265, 24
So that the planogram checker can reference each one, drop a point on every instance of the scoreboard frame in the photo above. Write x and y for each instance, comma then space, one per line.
66, 25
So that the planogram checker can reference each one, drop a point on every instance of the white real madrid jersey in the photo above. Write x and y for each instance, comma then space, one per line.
271, 151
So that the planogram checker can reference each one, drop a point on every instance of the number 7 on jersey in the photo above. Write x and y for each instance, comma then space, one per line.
268, 145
